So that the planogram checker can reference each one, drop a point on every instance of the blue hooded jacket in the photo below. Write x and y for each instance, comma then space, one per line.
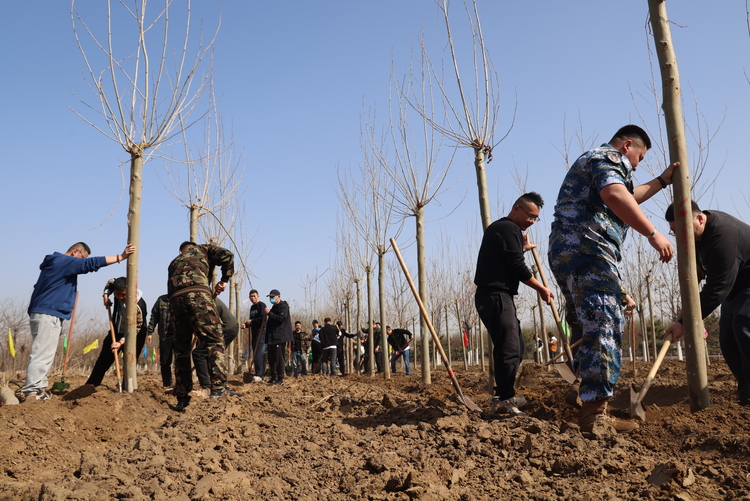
55, 290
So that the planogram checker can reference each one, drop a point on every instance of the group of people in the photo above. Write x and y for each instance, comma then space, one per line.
192, 320
596, 205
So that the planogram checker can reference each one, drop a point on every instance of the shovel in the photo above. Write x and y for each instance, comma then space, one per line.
464, 399
562, 368
636, 399
62, 385
247, 377
114, 352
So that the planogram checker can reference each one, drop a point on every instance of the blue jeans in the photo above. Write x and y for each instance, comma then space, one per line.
260, 358
45, 332
404, 354
299, 361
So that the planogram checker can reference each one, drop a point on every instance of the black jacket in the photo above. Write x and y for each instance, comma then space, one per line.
723, 253
397, 339
279, 324
328, 335
500, 264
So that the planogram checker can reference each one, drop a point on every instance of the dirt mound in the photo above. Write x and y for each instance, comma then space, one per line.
356, 437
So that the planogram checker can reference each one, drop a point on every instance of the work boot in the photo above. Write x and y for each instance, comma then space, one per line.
182, 404
509, 406
218, 392
572, 396
596, 413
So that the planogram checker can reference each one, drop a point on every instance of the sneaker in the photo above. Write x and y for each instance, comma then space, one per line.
182, 404
509, 406
218, 392
279, 382
43, 395
257, 379
271, 381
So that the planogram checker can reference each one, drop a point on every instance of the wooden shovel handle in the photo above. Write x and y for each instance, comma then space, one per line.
114, 340
652, 372
555, 313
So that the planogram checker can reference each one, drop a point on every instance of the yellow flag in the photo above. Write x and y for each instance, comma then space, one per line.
11, 348
92, 346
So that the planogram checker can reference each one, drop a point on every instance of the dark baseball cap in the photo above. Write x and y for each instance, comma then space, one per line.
274, 292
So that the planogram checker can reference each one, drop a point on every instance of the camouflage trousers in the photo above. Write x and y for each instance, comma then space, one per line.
195, 313
591, 287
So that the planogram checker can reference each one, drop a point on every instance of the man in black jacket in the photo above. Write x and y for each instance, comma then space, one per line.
397, 340
118, 287
328, 335
278, 334
722, 247
255, 324
500, 268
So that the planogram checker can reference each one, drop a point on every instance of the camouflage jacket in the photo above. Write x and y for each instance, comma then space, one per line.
192, 270
583, 223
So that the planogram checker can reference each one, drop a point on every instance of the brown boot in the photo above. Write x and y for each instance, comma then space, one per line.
572, 395
595, 412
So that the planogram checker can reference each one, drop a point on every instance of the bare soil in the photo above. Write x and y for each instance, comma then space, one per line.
359, 437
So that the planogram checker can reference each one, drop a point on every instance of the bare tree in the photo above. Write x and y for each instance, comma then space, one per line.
142, 104
410, 158
370, 214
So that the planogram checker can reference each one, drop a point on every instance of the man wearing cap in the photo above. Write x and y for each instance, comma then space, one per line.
278, 334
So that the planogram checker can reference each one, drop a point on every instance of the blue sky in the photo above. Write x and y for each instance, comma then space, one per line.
293, 78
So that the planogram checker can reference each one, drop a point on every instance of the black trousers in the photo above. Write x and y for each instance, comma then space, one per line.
107, 358
498, 314
200, 356
276, 362
166, 357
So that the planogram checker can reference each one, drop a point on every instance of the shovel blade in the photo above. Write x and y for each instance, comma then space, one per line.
471, 405
564, 370
636, 407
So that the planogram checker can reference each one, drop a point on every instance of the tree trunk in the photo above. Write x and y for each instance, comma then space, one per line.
461, 337
347, 341
422, 279
482, 338
381, 296
691, 310
370, 327
448, 335
651, 314
134, 238
358, 344
194, 223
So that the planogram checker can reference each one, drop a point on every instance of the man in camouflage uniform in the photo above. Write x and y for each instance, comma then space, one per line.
194, 313
595, 206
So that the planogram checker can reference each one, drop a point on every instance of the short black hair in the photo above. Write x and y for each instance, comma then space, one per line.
120, 284
316, 322
632, 132
669, 214
338, 322
327, 320
531, 197
253, 291
81, 246
297, 323
187, 243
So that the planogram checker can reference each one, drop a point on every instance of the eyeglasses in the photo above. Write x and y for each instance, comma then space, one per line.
531, 218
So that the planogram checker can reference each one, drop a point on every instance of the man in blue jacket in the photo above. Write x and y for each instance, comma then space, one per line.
52, 302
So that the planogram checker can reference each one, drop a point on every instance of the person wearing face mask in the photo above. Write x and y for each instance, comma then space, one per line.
278, 334
118, 287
